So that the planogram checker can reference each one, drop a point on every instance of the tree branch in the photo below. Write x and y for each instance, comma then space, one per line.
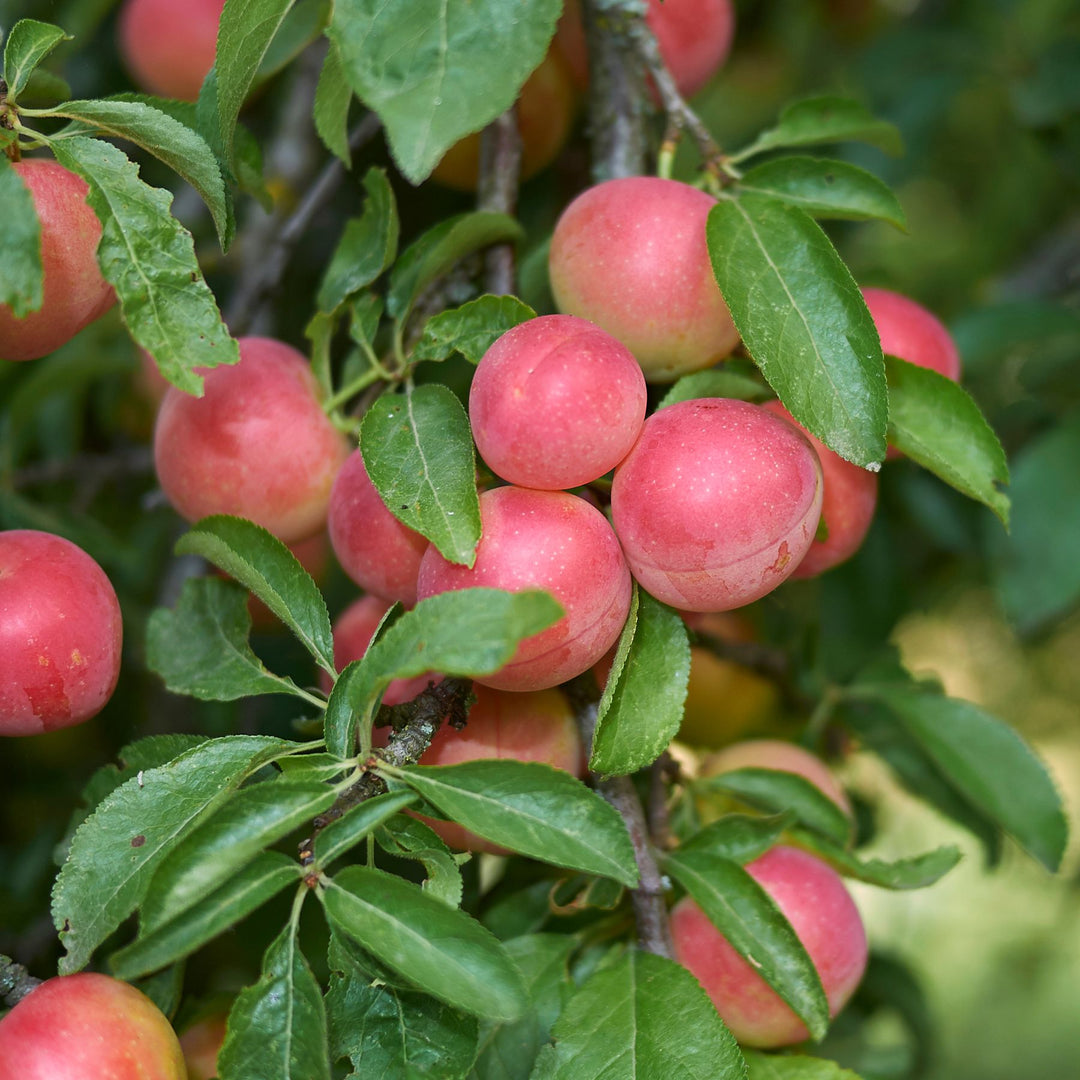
500, 174
15, 982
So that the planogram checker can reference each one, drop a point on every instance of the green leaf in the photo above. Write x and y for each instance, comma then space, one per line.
116, 850
149, 258
356, 823
775, 791
803, 320
200, 647
245, 891
435, 71
265, 566
28, 43
367, 246
533, 809
826, 189
915, 872
22, 280
470, 329
170, 141
246, 29
408, 838
756, 928
469, 632
277, 1028
430, 256
643, 1016
1036, 571
332, 98
738, 837
441, 949
418, 451
825, 119
793, 1067
717, 381
642, 708
990, 764
937, 424
250, 821
390, 1033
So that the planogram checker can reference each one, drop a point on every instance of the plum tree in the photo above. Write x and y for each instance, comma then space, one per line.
380, 553
555, 403
74, 291
913, 333
814, 900
256, 444
88, 1027
716, 504
548, 540
847, 507
169, 47
604, 267
313, 554
60, 634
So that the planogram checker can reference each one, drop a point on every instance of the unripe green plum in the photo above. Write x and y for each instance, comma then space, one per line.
60, 634
557, 542
555, 403
169, 47
813, 898
630, 256
74, 291
88, 1027
257, 444
716, 504
379, 552
847, 506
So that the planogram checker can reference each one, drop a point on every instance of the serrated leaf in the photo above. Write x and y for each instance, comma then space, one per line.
915, 872
442, 950
149, 258
738, 837
391, 1033
532, 809
794, 1067
470, 329
249, 822
436, 251
246, 29
200, 647
356, 823
28, 43
936, 423
803, 320
756, 928
245, 891
641, 710
333, 94
266, 567
825, 119
434, 71
418, 452
367, 246
116, 850
826, 189
990, 764
170, 141
277, 1028
643, 1016
715, 382
408, 838
470, 632
774, 792
22, 280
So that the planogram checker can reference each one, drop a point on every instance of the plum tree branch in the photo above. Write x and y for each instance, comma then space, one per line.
500, 175
15, 982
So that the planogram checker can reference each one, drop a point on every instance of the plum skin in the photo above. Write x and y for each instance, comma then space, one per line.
555, 403
911, 332
821, 911
716, 504
61, 634
169, 47
257, 444
557, 542
74, 291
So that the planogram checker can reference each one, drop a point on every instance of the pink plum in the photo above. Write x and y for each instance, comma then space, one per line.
169, 47
911, 332
257, 444
716, 504
60, 634
630, 256
555, 403
820, 909
548, 540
